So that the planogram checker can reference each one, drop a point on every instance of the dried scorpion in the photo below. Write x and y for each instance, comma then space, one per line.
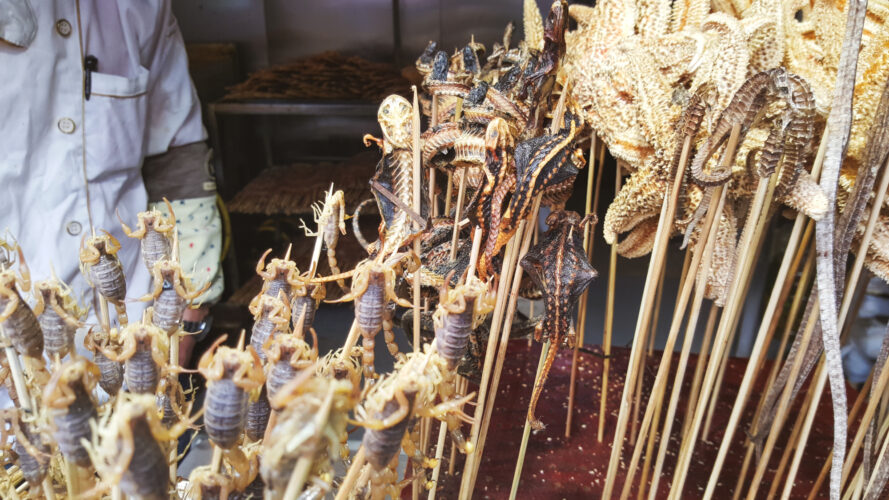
288, 356
560, 267
231, 374
311, 425
279, 274
18, 321
58, 314
156, 234
390, 409
103, 270
271, 316
302, 308
239, 478
373, 286
33, 454
128, 452
98, 342
144, 350
460, 310
69, 401
172, 293
330, 218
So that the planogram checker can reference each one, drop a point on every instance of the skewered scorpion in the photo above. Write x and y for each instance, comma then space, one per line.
288, 356
69, 400
373, 286
58, 314
98, 342
305, 303
392, 406
144, 350
33, 453
156, 234
128, 451
271, 315
231, 374
172, 293
103, 270
331, 221
279, 274
16, 317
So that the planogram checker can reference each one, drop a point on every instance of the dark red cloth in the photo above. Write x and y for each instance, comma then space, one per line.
575, 467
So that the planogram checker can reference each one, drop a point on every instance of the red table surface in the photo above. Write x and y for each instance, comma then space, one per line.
575, 467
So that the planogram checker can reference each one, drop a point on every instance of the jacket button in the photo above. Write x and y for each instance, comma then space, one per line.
66, 125
63, 27
73, 228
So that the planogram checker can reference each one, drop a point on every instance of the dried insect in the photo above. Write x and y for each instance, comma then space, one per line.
279, 274
103, 270
70, 404
238, 478
330, 218
144, 349
156, 234
16, 317
172, 293
58, 314
392, 405
373, 286
288, 356
32, 452
310, 425
231, 374
460, 310
271, 316
171, 401
258, 413
560, 267
303, 307
128, 452
110, 371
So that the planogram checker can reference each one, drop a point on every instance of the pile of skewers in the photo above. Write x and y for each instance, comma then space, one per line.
504, 138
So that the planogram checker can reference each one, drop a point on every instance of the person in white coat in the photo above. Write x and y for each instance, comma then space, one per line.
98, 116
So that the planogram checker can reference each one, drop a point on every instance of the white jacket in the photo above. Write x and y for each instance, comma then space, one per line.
67, 164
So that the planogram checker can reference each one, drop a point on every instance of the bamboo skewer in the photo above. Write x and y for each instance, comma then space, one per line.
792, 314
496, 321
803, 438
700, 261
526, 432
417, 180
609, 325
721, 334
706, 344
506, 326
442, 430
351, 478
665, 224
581, 313
793, 440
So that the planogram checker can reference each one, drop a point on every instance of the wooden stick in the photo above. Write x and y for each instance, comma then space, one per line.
526, 433
872, 486
609, 325
352, 475
418, 207
699, 265
496, 321
581, 312
658, 254
714, 396
506, 326
793, 441
449, 193
722, 333
461, 192
818, 390
790, 321
780, 414
319, 242
439, 453
652, 336
462, 384
706, 344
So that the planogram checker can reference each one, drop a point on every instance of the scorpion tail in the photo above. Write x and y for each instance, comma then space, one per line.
356, 226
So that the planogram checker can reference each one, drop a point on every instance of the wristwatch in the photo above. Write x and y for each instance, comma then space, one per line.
199, 329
